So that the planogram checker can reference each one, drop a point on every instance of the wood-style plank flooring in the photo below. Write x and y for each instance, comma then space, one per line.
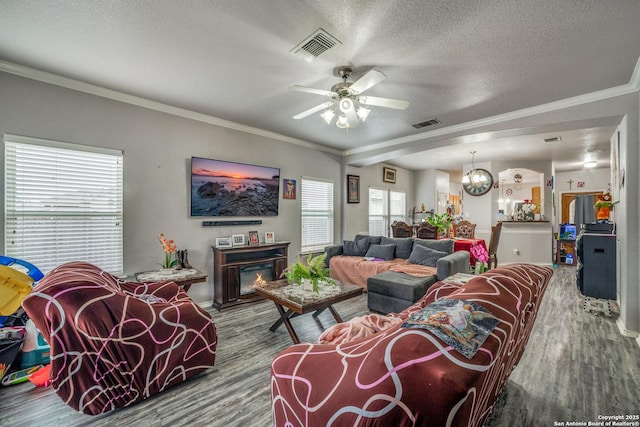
576, 367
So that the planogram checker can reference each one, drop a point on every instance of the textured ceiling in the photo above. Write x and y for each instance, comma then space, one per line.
459, 61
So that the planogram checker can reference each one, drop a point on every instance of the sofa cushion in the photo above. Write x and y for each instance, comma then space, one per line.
444, 245
384, 252
404, 245
373, 240
355, 247
425, 256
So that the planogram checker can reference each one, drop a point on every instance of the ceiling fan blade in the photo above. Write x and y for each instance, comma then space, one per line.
312, 90
383, 102
313, 110
371, 77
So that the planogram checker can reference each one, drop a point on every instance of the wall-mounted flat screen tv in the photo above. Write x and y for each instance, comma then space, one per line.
221, 188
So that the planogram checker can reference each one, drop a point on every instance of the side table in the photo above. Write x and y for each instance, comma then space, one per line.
184, 277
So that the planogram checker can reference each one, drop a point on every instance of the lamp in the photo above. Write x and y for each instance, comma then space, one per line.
474, 176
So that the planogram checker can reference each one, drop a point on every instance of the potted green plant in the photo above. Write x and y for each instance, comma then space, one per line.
313, 272
442, 221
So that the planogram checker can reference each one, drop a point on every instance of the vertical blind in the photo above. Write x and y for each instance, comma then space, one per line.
63, 202
385, 206
317, 214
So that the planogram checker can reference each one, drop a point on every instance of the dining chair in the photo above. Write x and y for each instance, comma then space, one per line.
493, 245
464, 229
401, 229
427, 231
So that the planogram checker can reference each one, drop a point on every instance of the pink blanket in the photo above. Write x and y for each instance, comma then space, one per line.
358, 327
356, 270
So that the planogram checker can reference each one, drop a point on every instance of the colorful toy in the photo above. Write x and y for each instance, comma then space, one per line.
20, 376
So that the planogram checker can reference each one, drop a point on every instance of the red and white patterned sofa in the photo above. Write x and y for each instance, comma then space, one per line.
408, 377
114, 343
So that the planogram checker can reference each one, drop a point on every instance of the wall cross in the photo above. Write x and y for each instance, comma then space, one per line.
570, 182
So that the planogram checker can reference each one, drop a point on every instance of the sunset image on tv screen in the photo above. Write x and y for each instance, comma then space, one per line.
222, 188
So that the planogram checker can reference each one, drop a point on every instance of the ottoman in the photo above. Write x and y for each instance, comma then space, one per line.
392, 291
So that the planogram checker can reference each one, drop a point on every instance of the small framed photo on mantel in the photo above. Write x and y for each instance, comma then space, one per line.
253, 238
223, 242
237, 240
269, 237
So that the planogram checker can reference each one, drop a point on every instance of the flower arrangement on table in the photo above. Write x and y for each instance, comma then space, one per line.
169, 247
480, 254
314, 272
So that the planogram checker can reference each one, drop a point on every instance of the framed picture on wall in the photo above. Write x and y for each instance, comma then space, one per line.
353, 189
615, 167
289, 189
389, 175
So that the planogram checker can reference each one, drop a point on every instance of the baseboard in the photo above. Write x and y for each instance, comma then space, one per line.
626, 332
206, 304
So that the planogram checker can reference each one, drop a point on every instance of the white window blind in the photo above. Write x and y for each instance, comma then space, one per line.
397, 206
317, 214
63, 202
378, 212
385, 206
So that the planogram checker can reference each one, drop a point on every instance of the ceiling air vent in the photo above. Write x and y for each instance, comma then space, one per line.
552, 140
426, 123
315, 45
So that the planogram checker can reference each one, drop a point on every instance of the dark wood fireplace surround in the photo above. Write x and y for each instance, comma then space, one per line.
228, 262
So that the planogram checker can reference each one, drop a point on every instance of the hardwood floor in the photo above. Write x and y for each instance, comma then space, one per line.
576, 367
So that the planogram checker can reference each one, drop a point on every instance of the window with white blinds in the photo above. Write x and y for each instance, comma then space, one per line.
317, 214
63, 202
385, 206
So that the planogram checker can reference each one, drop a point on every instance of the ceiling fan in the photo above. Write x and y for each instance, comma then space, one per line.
349, 99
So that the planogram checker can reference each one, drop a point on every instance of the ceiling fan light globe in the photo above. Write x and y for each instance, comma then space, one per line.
363, 113
346, 105
342, 121
328, 115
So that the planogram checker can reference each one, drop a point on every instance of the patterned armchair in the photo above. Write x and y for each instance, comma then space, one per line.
114, 343
408, 377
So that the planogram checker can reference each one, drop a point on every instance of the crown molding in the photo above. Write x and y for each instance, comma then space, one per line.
68, 83
631, 87
635, 77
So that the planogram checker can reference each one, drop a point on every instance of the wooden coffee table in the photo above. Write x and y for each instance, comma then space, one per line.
298, 302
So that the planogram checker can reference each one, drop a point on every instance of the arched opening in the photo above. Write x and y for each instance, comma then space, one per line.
519, 189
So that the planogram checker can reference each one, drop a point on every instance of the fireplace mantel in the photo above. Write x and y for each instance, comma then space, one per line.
228, 262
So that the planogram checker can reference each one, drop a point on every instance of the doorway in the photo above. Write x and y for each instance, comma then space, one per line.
568, 199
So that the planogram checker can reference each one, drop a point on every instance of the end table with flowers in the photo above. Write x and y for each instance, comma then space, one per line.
481, 256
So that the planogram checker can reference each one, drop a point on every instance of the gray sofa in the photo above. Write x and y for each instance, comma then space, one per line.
392, 291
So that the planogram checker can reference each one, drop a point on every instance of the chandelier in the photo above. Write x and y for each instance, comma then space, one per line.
475, 176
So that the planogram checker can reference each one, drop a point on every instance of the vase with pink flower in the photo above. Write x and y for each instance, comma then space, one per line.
481, 257
168, 265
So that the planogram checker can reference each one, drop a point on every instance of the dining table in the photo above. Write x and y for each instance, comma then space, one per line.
460, 244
